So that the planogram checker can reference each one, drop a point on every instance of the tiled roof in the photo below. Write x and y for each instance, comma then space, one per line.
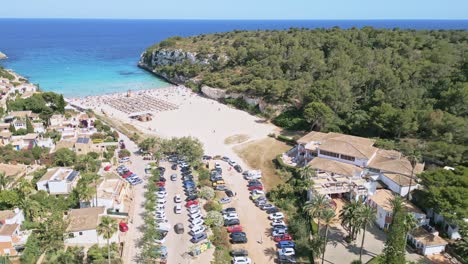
6, 214
334, 167
8, 230
84, 218
428, 239
383, 199
392, 161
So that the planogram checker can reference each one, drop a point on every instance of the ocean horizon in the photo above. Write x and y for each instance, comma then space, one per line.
82, 57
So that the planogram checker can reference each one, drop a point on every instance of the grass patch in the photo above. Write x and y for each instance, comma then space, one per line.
259, 154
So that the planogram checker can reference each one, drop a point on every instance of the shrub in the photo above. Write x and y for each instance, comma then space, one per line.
291, 120
214, 219
207, 193
213, 206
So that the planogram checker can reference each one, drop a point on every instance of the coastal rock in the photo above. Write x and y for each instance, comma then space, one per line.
3, 56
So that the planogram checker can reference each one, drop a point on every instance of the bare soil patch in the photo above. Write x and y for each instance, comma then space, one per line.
259, 154
236, 139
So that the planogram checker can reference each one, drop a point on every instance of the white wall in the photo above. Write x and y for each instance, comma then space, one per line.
433, 250
42, 186
90, 237
357, 162
58, 187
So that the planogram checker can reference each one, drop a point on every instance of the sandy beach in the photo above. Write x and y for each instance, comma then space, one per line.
208, 120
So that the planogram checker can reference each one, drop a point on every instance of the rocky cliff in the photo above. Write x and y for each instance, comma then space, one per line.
2, 56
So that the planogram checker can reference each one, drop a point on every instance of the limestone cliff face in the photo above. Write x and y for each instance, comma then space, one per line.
154, 60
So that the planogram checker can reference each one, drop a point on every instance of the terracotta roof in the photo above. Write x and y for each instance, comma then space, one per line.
20, 113
334, 166
383, 198
6, 214
8, 230
30, 136
401, 180
428, 239
392, 161
12, 170
319, 136
312, 136
7, 246
84, 218
4, 125
348, 148
5, 134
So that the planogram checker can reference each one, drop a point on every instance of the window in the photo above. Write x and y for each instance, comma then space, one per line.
347, 157
71, 235
80, 233
330, 154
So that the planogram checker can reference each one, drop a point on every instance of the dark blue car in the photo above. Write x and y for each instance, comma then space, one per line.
286, 244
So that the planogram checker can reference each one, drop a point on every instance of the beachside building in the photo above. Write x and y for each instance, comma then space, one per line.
81, 230
11, 235
111, 193
427, 240
381, 201
356, 154
58, 181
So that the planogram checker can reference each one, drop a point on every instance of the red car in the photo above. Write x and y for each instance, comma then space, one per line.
123, 227
161, 184
192, 202
234, 228
257, 187
286, 237
128, 173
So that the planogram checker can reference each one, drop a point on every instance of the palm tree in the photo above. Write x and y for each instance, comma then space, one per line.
366, 216
349, 217
328, 218
322, 203
306, 173
414, 161
4, 180
85, 193
25, 188
31, 208
410, 223
107, 228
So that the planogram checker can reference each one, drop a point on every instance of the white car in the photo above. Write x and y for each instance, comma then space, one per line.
160, 213
257, 192
231, 216
197, 222
276, 216
217, 165
178, 209
124, 159
278, 222
160, 210
286, 252
241, 260
232, 163
160, 217
177, 198
194, 210
196, 216
162, 193
197, 230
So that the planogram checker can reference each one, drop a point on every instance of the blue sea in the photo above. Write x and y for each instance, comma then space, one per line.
90, 57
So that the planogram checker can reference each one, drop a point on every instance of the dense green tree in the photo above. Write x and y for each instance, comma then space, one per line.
394, 251
64, 157
319, 115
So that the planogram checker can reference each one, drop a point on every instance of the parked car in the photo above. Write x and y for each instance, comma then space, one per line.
225, 158
179, 228
161, 184
124, 159
231, 222
219, 182
241, 260
279, 232
161, 252
278, 222
198, 237
228, 210
207, 157
160, 237
231, 216
258, 187
220, 188
178, 209
282, 259
229, 193
267, 206
174, 166
232, 163
177, 198
286, 244
217, 166
196, 222
197, 230
194, 209
196, 216
191, 197
286, 252
272, 210
190, 203
239, 253
225, 200
235, 228
278, 215
285, 237
173, 177
238, 168
239, 240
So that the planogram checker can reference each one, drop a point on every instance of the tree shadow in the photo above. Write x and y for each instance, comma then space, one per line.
270, 252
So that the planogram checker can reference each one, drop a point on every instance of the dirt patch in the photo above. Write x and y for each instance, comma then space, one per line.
259, 154
236, 139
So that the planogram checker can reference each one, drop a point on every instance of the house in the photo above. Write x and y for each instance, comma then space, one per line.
68, 144
4, 127
20, 114
11, 235
58, 181
336, 178
27, 141
38, 128
56, 120
5, 137
381, 201
83, 223
376, 164
111, 194
19, 124
452, 230
45, 143
83, 146
427, 241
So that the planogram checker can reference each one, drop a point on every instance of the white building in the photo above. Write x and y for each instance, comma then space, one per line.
381, 201
111, 193
58, 181
427, 242
81, 230
10, 231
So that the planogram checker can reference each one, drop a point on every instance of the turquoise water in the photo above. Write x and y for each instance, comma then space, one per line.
90, 57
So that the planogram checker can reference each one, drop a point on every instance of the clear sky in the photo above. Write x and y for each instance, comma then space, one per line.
236, 9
